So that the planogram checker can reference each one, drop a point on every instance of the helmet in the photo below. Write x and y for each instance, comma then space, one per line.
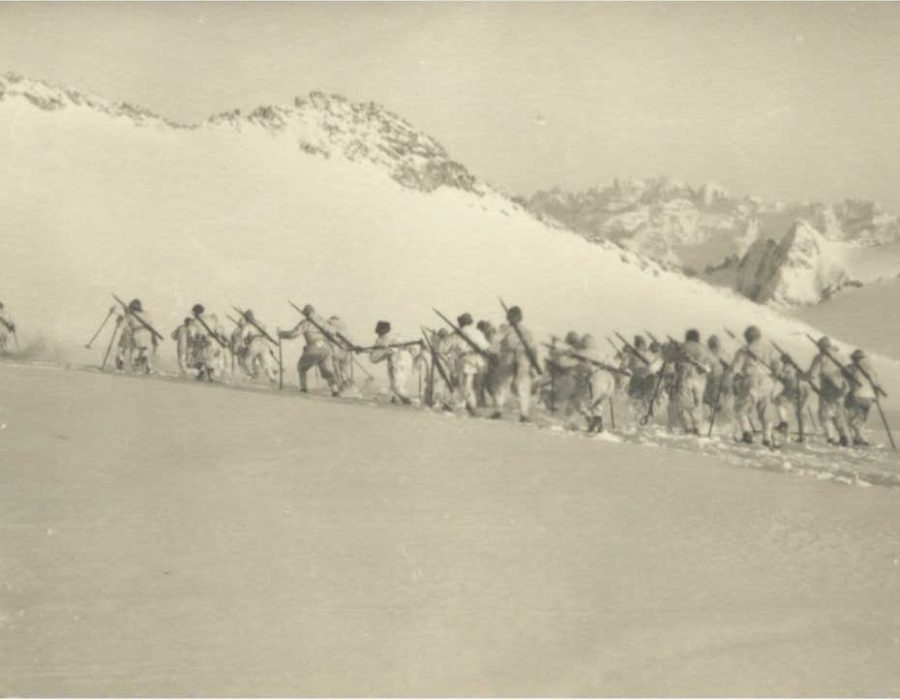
248, 314
514, 315
857, 355
639, 342
484, 326
188, 320
443, 333
135, 305
693, 335
752, 333
787, 359
308, 310
464, 320
713, 342
572, 338
654, 346
587, 341
824, 343
382, 327
197, 309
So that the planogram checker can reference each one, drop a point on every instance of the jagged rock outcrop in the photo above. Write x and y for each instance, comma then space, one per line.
799, 269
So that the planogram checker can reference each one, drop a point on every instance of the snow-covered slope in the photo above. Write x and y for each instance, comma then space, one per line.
867, 314
274, 206
696, 228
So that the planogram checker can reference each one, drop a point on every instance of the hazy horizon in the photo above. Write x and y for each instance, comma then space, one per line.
783, 101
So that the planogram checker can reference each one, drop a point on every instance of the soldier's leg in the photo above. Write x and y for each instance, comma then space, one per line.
523, 390
840, 422
500, 385
469, 398
762, 412
326, 369
399, 372
304, 364
827, 419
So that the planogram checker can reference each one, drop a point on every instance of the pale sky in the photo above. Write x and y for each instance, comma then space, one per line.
788, 101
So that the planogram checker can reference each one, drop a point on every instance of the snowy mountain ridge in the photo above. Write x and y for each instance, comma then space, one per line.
49, 97
800, 269
707, 231
696, 227
320, 125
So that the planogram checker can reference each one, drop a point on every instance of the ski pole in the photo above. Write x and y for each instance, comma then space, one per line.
280, 365
887, 428
649, 415
109, 347
812, 420
112, 310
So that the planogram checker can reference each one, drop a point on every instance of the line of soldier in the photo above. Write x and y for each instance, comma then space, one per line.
477, 367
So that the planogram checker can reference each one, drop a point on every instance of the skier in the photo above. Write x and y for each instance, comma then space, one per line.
861, 396
692, 367
484, 380
595, 386
469, 362
318, 350
792, 397
642, 364
207, 355
757, 366
256, 355
568, 378
7, 329
399, 361
833, 390
511, 370
183, 337
719, 385
136, 341
669, 388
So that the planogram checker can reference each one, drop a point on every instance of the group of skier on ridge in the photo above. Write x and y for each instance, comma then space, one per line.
477, 366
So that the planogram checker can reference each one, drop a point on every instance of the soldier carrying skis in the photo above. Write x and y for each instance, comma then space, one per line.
827, 374
864, 391
209, 345
256, 358
137, 340
318, 350
756, 365
392, 350
183, 337
512, 370
7, 329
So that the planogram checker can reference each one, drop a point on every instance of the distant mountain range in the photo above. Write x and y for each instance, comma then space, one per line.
761, 249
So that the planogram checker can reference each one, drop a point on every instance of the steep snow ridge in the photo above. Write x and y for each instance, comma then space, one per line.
323, 125
803, 268
94, 203
320, 125
50, 98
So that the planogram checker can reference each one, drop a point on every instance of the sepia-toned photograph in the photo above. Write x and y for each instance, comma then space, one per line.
449, 349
